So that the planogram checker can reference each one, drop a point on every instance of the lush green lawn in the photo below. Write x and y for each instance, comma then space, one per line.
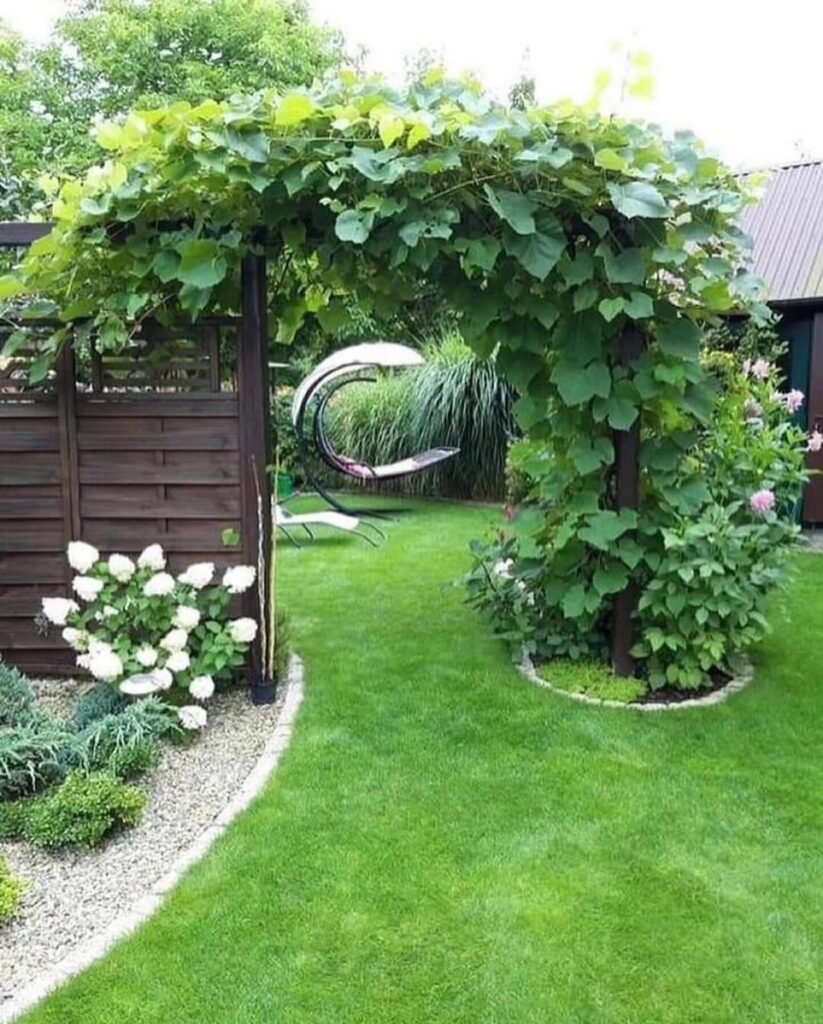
445, 844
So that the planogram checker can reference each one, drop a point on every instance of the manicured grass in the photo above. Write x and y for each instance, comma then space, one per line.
445, 844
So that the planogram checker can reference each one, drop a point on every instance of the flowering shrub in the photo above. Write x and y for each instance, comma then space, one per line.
11, 889
140, 629
712, 538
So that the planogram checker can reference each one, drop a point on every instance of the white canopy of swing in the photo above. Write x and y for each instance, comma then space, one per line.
383, 354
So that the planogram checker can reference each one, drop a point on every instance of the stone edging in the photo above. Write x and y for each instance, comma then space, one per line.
735, 685
126, 923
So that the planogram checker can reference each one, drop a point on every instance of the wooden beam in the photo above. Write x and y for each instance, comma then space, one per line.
67, 429
255, 453
627, 469
14, 234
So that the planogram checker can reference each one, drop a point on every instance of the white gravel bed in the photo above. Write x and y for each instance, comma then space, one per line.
73, 895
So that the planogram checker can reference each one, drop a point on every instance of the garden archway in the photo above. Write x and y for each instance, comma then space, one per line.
585, 250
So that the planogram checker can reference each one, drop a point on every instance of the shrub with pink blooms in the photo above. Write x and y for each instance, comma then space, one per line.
139, 627
706, 601
713, 538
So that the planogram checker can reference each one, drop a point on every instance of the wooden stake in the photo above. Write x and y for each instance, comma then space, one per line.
627, 469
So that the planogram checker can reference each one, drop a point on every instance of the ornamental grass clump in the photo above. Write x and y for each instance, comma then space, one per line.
111, 737
141, 630
16, 696
33, 756
454, 399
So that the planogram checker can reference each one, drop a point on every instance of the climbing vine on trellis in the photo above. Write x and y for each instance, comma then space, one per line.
552, 232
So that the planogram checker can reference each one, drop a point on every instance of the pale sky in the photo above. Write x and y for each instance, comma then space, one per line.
745, 76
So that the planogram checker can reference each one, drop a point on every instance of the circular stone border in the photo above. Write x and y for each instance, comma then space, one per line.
151, 901
734, 685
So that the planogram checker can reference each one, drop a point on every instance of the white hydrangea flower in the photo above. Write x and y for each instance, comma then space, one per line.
243, 631
83, 660
192, 717
202, 687
159, 585
239, 578
198, 575
146, 656
87, 587
175, 640
122, 568
98, 646
152, 557
108, 611
186, 617
105, 665
164, 678
178, 661
58, 609
76, 638
82, 556
503, 568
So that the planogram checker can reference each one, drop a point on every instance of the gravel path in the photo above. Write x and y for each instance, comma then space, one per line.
73, 895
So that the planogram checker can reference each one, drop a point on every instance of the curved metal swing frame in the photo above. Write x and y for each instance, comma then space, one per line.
349, 365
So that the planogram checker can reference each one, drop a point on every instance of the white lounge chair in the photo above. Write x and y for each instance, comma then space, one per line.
285, 520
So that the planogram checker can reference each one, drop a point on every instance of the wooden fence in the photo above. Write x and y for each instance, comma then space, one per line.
156, 445
166, 443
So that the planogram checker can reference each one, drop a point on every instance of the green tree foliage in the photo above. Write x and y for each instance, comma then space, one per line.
109, 56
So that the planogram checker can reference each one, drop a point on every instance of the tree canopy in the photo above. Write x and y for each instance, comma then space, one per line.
109, 56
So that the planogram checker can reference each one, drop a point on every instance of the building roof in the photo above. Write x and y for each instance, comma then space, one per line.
786, 227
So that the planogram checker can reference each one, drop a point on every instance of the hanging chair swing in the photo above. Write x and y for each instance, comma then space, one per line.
356, 364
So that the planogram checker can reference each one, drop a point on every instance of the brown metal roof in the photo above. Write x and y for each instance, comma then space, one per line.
786, 227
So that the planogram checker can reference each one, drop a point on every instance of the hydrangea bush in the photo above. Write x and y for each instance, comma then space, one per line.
139, 628
704, 566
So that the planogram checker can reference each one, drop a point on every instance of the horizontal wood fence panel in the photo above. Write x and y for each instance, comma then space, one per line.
150, 407
24, 504
161, 474
200, 537
24, 634
103, 503
120, 466
43, 569
32, 535
24, 600
43, 663
28, 473
10, 410
29, 436
126, 438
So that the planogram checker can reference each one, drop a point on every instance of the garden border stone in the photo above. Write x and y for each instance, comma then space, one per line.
734, 685
127, 922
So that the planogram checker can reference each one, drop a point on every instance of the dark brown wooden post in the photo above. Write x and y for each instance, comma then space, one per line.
67, 433
627, 470
255, 453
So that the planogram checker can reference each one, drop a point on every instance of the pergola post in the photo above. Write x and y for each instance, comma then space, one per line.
627, 471
255, 456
